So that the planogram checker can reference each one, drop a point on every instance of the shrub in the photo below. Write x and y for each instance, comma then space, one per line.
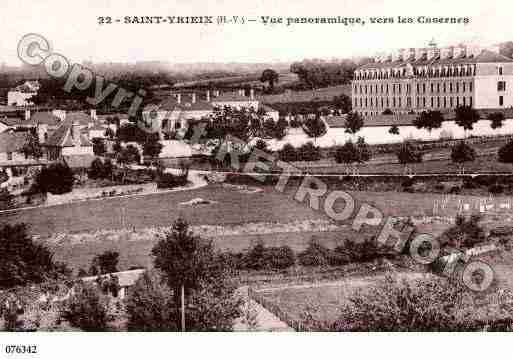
260, 257
434, 304
104, 263
149, 306
314, 255
57, 178
388, 112
496, 188
309, 152
505, 153
288, 153
169, 180
86, 308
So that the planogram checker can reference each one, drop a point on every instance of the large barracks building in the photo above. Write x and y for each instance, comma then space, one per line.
432, 78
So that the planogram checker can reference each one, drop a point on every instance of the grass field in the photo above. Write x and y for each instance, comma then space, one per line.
322, 94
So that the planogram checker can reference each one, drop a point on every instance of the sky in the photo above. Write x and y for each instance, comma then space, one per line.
72, 28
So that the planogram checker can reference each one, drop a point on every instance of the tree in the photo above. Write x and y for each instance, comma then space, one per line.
429, 120
466, 117
309, 152
407, 154
57, 178
32, 148
86, 308
505, 153
462, 153
288, 153
198, 279
466, 232
496, 120
343, 103
24, 261
314, 127
152, 146
347, 154
353, 123
394, 130
105, 263
149, 305
128, 155
271, 77
99, 147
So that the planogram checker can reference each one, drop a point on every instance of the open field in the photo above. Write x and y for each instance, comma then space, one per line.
321, 94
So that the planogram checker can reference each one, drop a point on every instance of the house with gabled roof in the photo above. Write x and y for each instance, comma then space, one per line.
67, 143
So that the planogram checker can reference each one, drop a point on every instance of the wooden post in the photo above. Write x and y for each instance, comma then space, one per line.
183, 309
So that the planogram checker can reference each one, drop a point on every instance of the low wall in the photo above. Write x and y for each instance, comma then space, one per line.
100, 192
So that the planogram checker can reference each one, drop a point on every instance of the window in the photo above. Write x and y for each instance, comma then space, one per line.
432, 87
432, 102
451, 101
457, 87
464, 87
500, 70
501, 100
424, 88
470, 86
438, 87
445, 102
501, 86
450, 87
9, 156
445, 87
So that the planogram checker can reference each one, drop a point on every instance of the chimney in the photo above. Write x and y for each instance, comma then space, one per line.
208, 95
252, 94
193, 97
27, 115
179, 97
75, 133
93, 114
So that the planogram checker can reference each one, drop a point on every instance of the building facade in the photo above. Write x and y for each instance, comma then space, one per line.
441, 79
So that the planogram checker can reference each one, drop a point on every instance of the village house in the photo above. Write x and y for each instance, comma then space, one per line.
21, 95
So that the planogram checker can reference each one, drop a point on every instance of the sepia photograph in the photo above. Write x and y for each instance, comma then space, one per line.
264, 168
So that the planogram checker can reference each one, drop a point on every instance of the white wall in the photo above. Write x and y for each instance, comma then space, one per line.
380, 134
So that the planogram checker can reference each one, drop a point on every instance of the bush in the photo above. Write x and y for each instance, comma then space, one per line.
86, 308
314, 255
388, 112
261, 257
57, 178
169, 180
149, 306
309, 152
505, 153
288, 153
424, 305
496, 188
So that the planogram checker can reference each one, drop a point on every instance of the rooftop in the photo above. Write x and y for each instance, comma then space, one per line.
485, 56
12, 141
62, 137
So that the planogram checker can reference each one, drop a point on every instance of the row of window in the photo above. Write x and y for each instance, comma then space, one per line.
422, 71
421, 88
433, 102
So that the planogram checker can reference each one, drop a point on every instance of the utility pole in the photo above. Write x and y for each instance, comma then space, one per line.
183, 308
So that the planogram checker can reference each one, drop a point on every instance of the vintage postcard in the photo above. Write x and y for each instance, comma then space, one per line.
227, 166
